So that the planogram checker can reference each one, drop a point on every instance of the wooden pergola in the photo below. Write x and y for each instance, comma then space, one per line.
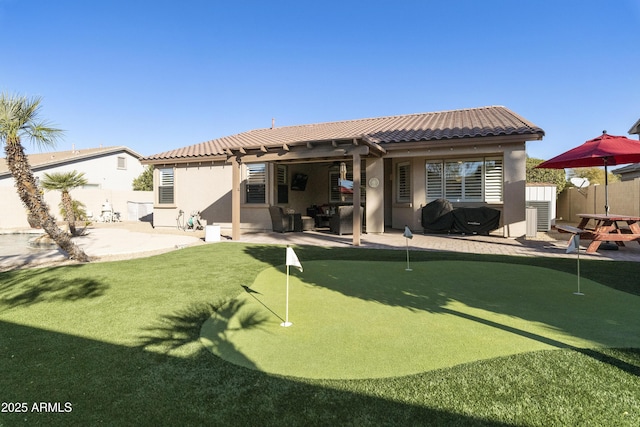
354, 149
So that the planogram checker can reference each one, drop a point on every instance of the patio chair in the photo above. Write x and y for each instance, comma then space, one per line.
281, 222
342, 221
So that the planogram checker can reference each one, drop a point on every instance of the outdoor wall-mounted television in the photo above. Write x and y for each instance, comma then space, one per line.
299, 182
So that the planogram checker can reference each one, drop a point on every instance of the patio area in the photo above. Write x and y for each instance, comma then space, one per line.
547, 244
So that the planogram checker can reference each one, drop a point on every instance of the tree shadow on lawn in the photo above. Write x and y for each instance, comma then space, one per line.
502, 291
32, 286
614, 274
120, 385
182, 330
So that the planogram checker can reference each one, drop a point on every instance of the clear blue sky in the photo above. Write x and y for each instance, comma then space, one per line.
158, 75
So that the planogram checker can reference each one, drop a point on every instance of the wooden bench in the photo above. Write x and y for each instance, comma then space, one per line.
570, 229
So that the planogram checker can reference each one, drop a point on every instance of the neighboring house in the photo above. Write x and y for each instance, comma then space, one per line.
635, 129
112, 168
398, 164
630, 172
110, 172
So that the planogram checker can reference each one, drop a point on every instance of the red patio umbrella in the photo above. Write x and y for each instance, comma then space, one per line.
604, 150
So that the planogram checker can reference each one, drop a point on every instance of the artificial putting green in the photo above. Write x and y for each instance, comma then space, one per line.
356, 319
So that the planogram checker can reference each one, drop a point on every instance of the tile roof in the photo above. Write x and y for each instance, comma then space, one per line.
627, 169
41, 160
444, 125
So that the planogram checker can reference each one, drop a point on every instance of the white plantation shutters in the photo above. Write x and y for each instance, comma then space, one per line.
166, 187
256, 184
493, 180
403, 191
435, 189
474, 180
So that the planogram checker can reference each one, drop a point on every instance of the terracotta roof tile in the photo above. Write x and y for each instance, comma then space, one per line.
444, 125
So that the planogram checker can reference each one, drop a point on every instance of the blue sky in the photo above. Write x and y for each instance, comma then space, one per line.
158, 75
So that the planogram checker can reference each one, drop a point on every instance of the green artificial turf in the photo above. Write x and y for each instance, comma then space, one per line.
120, 342
358, 319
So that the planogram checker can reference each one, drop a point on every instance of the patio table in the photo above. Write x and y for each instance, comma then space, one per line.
606, 228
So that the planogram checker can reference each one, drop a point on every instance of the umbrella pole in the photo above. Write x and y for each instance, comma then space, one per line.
606, 188
607, 245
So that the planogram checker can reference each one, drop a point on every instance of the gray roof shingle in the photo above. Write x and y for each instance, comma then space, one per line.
444, 125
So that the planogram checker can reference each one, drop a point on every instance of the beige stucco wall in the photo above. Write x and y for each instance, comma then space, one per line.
13, 214
514, 191
208, 189
624, 199
197, 188
374, 209
512, 210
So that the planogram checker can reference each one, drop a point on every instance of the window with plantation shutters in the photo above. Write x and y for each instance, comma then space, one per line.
166, 187
435, 189
465, 180
403, 189
493, 180
334, 189
256, 183
338, 196
281, 173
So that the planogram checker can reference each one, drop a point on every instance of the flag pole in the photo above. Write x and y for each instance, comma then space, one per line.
286, 322
578, 251
407, 235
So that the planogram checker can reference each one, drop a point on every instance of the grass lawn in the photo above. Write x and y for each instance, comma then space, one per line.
120, 342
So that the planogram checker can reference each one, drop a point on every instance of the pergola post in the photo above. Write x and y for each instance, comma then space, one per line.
235, 198
357, 222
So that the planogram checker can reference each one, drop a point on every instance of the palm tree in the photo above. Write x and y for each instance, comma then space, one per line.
19, 118
65, 182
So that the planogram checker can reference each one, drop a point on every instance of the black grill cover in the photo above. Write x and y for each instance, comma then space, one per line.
437, 216
480, 220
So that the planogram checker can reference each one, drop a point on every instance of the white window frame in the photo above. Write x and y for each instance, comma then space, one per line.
255, 183
121, 162
334, 190
166, 186
465, 186
403, 182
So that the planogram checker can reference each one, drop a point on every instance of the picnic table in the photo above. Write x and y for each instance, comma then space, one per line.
605, 228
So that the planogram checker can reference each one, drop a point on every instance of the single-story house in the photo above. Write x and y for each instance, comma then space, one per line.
396, 165
109, 171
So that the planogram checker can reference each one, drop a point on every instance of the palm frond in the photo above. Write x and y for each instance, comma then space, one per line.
19, 116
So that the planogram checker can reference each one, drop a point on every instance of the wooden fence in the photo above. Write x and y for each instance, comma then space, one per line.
624, 199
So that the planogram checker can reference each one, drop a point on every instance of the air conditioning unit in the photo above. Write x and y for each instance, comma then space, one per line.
544, 213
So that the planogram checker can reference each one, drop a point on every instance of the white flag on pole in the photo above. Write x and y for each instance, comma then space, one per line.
407, 233
574, 244
292, 259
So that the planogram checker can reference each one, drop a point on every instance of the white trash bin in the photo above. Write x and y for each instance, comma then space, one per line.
212, 233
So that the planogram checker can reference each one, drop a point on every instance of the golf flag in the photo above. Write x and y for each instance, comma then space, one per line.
292, 259
574, 244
